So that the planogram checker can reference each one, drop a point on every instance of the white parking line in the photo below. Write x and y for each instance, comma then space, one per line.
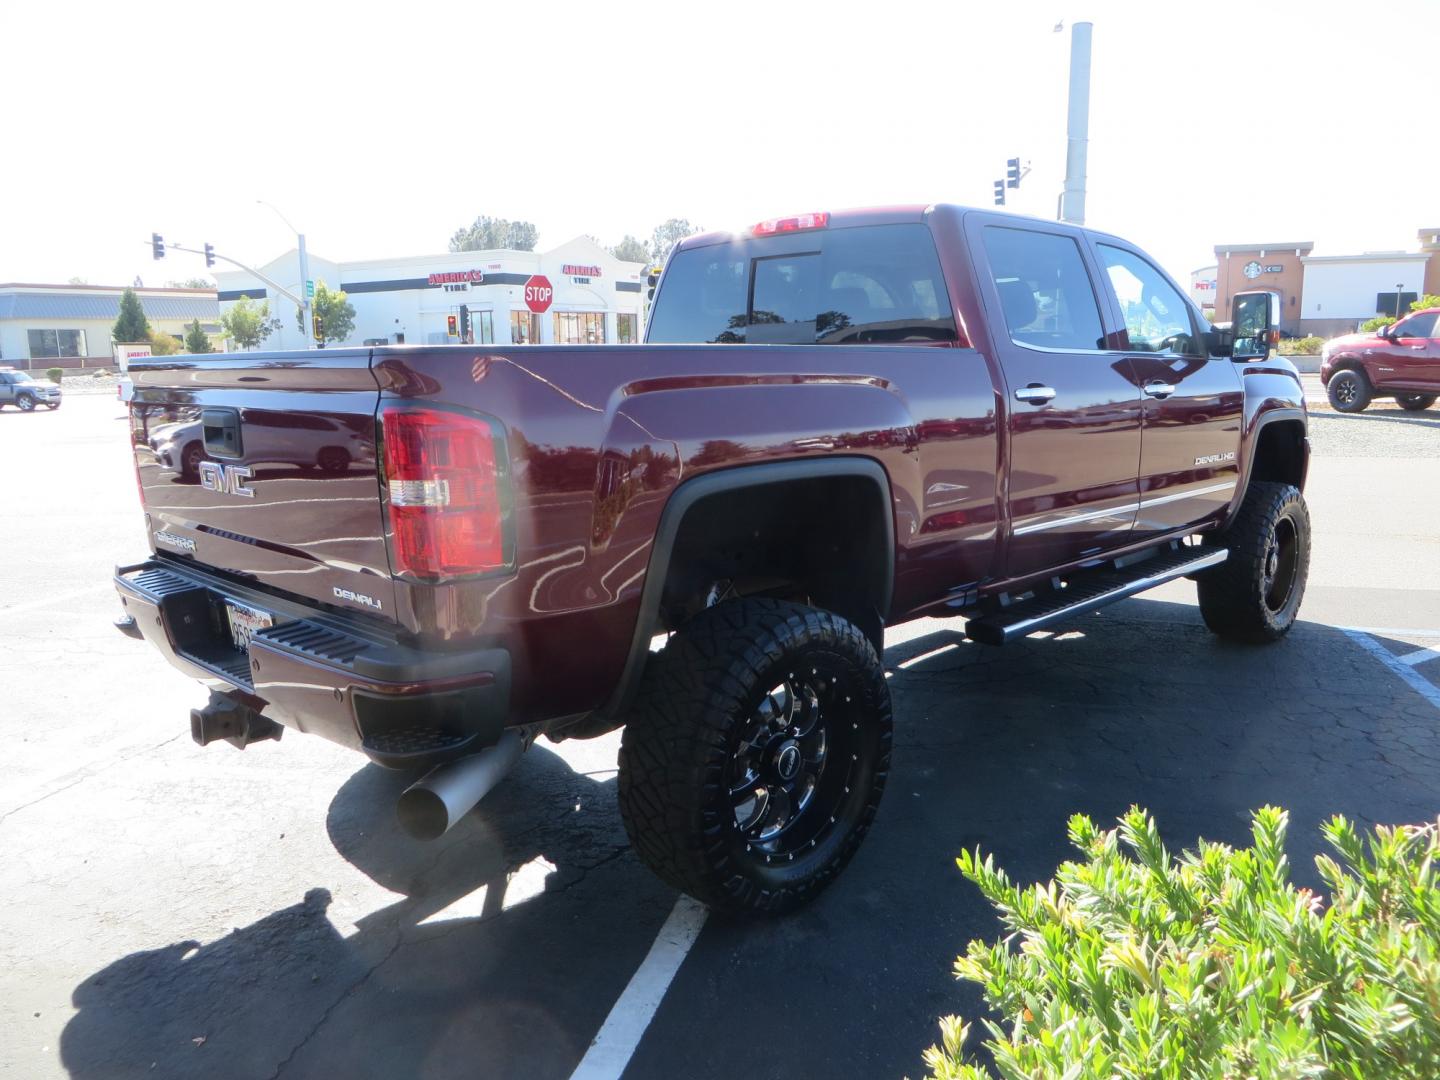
1417, 682
612, 1047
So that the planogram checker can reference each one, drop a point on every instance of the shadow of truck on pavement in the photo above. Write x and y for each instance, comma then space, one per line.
299, 993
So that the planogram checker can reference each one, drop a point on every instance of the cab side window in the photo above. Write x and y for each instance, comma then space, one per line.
1417, 326
1045, 291
1156, 315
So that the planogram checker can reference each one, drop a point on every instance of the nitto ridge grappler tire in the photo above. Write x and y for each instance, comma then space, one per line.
1254, 595
754, 761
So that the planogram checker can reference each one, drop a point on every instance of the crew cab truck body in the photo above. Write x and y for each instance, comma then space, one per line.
839, 422
1401, 360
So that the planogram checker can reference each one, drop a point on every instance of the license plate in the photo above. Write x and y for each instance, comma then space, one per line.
244, 622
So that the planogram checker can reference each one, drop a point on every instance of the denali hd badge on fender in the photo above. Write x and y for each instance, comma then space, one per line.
1213, 459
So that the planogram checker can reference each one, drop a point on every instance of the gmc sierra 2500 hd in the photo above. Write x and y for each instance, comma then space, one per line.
838, 422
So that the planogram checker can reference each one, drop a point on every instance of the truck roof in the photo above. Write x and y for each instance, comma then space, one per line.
887, 215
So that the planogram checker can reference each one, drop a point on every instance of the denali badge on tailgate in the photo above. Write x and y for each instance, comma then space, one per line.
359, 598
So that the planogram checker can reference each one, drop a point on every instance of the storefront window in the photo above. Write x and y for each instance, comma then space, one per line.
54, 343
579, 328
627, 329
524, 328
484, 327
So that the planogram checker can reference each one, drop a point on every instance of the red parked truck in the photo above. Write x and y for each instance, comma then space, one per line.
1401, 360
838, 422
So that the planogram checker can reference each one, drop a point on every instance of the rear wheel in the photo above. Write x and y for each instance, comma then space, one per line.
334, 459
1349, 391
1415, 402
1254, 595
190, 461
754, 762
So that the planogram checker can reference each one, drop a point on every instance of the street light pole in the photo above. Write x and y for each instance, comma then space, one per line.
1077, 125
307, 315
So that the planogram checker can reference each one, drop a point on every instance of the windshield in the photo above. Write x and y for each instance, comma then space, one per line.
874, 283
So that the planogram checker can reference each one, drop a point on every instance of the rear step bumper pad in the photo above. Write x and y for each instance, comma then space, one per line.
313, 672
1089, 592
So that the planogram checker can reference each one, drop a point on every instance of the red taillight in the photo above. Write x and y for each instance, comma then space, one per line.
443, 472
798, 223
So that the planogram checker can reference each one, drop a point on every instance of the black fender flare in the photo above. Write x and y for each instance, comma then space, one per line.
723, 481
1272, 416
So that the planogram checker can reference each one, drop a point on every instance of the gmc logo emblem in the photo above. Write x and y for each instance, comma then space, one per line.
226, 479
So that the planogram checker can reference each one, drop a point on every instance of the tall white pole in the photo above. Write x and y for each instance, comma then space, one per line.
308, 316
1077, 126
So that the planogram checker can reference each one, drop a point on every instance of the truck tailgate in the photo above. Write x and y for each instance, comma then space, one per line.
265, 467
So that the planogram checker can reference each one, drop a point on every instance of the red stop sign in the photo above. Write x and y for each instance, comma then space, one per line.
539, 293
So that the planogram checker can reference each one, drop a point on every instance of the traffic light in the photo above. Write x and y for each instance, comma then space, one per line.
465, 324
209, 255
652, 278
452, 326
1012, 172
157, 246
315, 327
999, 192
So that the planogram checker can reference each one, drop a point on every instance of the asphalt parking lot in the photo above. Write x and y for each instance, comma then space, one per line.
175, 912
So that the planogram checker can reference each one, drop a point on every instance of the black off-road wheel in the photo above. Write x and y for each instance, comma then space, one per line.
1349, 391
1415, 402
754, 761
1254, 595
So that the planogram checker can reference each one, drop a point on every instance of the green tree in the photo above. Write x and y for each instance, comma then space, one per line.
630, 250
487, 233
78, 281
335, 312
196, 340
191, 283
131, 326
247, 323
666, 236
163, 344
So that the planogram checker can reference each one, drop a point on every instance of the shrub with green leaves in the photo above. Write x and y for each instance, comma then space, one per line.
1135, 964
55, 374
1305, 346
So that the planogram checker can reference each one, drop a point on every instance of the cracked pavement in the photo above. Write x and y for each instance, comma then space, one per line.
173, 912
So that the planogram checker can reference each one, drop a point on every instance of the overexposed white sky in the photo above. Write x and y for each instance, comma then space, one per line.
380, 128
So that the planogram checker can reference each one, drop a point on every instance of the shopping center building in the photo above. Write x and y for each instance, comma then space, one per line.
1327, 295
577, 293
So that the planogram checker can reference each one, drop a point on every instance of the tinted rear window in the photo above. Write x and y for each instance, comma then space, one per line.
875, 283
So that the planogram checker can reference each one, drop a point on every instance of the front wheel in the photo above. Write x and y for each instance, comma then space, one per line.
754, 762
1254, 595
1415, 402
25, 403
1349, 391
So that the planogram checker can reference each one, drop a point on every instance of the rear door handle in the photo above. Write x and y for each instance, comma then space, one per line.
1035, 394
1157, 389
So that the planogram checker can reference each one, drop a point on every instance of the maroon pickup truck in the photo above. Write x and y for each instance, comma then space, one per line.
838, 422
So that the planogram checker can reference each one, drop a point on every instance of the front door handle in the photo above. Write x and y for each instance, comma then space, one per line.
1035, 394
1157, 389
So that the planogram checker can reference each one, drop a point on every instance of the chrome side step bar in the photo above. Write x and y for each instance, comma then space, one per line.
1089, 592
